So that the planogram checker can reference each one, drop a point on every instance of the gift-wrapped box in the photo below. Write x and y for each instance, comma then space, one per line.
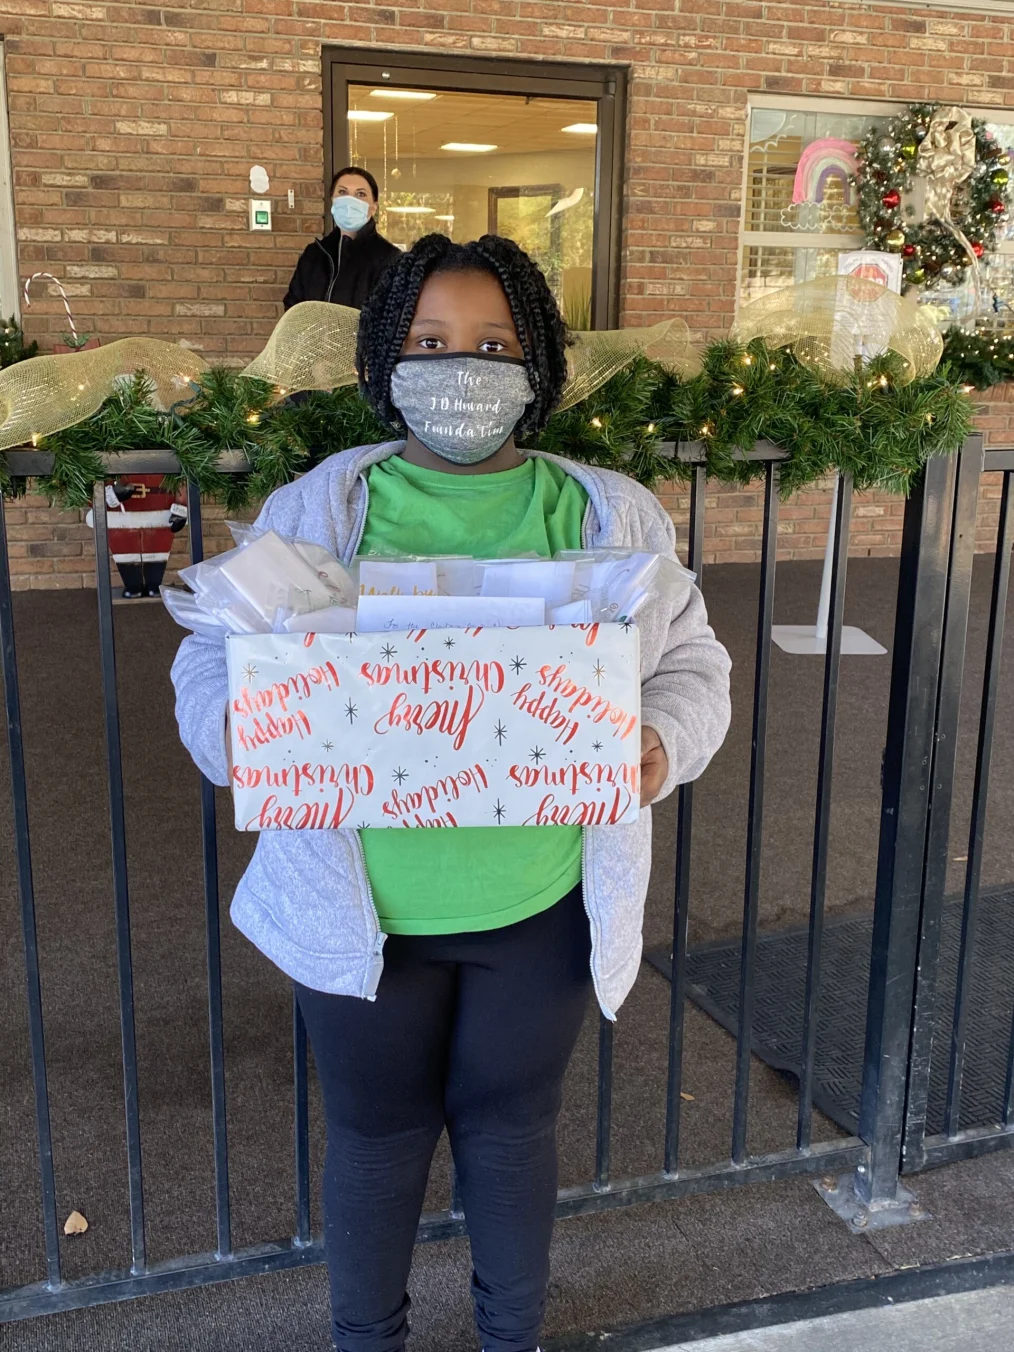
535, 726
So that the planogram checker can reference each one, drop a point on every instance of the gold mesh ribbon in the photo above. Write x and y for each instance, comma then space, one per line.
830, 322
598, 355
313, 347
46, 394
946, 160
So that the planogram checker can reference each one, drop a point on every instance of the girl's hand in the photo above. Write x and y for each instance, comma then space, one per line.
654, 765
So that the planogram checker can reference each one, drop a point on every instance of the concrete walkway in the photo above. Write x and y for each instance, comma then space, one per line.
975, 1321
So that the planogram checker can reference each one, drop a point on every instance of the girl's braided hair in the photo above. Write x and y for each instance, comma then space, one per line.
388, 313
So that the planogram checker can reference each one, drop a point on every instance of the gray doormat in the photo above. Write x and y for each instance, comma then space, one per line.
713, 985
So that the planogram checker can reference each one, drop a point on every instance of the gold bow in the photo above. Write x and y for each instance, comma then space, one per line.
946, 160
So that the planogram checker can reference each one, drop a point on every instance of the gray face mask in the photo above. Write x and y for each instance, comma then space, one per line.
461, 405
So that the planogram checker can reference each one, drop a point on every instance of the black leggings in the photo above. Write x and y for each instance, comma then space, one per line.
471, 1032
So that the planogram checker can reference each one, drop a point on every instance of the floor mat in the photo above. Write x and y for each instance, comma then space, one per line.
713, 985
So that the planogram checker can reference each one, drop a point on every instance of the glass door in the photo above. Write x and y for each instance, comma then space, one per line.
531, 166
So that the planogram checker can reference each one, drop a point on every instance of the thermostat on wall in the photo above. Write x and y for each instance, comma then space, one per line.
260, 214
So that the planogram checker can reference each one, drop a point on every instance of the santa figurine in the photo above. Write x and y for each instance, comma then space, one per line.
141, 517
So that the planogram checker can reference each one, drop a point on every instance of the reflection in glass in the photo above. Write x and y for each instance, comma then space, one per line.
523, 167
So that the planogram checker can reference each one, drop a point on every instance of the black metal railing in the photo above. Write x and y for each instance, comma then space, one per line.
933, 587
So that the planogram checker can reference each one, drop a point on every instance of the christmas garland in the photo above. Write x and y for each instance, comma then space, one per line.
13, 347
930, 252
978, 360
871, 427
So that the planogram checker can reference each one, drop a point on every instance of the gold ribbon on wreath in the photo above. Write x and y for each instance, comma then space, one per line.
946, 160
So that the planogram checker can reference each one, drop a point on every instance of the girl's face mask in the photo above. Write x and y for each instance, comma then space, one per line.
349, 213
462, 406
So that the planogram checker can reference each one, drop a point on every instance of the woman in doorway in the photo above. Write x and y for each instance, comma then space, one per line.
444, 975
347, 263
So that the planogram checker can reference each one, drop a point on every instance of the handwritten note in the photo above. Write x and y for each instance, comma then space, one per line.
537, 726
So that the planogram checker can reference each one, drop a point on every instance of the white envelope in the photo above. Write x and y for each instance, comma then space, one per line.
397, 577
553, 580
379, 613
271, 576
330, 620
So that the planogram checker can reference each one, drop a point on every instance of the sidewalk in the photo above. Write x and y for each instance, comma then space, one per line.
982, 1321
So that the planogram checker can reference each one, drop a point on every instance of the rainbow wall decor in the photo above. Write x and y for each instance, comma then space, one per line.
821, 160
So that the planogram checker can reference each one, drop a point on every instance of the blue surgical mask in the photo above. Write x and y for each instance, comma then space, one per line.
349, 213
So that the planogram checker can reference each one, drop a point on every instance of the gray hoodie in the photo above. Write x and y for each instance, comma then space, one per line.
305, 899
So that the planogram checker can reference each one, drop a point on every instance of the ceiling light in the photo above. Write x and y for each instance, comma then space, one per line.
412, 211
582, 128
476, 148
443, 218
415, 94
368, 115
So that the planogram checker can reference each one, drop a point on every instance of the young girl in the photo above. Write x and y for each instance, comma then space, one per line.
443, 975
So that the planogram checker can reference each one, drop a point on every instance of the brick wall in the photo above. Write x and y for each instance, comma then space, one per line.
133, 127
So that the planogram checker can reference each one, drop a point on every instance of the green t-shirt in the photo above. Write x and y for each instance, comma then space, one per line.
470, 878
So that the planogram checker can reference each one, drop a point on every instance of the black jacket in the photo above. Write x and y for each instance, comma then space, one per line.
341, 268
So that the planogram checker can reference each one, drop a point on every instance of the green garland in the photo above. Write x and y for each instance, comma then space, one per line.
978, 360
13, 347
930, 253
870, 427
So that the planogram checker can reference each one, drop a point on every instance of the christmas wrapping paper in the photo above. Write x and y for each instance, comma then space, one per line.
436, 727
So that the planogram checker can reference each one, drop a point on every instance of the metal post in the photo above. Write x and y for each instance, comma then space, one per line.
874, 1197
681, 900
952, 664
26, 896
834, 607
755, 816
121, 891
213, 943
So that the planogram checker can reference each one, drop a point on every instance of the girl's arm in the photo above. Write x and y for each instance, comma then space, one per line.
686, 698
202, 698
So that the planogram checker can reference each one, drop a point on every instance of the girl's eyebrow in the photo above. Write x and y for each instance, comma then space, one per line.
442, 323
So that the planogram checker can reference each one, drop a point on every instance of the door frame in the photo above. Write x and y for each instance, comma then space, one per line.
606, 85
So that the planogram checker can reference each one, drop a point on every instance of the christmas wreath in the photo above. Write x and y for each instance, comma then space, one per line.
968, 192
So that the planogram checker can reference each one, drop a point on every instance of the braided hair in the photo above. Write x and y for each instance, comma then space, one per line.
387, 315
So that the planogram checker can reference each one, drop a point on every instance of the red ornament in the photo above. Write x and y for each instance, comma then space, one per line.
977, 249
892, 199
908, 251
997, 207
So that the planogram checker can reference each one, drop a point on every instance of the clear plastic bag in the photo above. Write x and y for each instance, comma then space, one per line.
262, 584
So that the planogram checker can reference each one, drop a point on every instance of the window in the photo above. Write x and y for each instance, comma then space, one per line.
799, 207
9, 290
467, 146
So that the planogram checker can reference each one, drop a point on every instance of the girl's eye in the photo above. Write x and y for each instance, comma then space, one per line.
492, 345
429, 344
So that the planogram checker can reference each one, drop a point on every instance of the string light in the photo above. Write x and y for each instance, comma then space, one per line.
596, 422
35, 438
253, 417
772, 366
747, 360
706, 429
737, 389
650, 427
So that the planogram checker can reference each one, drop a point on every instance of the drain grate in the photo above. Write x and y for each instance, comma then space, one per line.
713, 985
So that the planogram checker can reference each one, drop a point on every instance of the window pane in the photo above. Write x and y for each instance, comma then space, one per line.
524, 168
767, 268
798, 170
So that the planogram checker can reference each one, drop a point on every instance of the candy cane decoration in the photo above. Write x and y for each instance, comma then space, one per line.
63, 294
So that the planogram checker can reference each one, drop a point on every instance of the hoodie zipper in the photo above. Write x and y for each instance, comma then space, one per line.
334, 271
376, 958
